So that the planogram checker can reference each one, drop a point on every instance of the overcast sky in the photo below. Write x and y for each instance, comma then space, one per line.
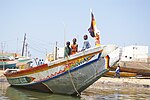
121, 22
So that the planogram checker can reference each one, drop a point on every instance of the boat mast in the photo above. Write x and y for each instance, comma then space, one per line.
2, 46
23, 44
56, 51
26, 51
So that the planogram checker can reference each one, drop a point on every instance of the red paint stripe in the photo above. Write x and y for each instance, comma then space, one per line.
28, 71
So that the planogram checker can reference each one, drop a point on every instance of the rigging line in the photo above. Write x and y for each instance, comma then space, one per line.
40, 41
46, 43
42, 52
39, 46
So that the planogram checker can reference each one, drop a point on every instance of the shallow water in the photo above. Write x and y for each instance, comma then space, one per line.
96, 93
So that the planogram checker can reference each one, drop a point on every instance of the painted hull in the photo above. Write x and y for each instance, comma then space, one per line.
10, 66
68, 76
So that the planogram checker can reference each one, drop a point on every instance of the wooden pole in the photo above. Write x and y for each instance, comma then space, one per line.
56, 51
23, 44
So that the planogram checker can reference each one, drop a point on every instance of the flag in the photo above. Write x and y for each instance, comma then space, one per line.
94, 32
93, 29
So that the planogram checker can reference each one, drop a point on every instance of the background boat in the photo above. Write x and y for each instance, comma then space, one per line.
13, 60
7, 61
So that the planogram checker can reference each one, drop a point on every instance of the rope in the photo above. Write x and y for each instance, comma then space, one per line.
72, 81
48, 87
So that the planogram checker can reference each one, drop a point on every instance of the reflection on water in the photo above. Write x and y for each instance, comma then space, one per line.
97, 93
12, 93
22, 94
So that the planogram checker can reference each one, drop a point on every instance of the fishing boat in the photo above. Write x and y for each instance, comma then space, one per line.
69, 75
7, 62
15, 60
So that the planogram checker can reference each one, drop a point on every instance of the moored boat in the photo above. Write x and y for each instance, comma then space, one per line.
69, 75
7, 62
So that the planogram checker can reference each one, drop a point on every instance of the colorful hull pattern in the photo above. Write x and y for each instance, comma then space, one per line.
69, 76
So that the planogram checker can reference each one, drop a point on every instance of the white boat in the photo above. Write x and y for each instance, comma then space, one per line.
69, 75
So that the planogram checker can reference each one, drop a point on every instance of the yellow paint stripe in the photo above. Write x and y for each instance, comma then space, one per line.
36, 70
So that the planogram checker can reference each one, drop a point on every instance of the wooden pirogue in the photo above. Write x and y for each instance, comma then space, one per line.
68, 75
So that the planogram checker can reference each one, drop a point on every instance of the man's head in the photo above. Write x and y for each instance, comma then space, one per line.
74, 40
67, 43
85, 37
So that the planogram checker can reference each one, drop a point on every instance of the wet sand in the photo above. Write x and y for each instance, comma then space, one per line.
113, 83
1, 74
109, 88
125, 81
122, 82
2, 77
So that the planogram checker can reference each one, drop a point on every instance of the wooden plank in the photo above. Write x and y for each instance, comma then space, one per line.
143, 72
122, 74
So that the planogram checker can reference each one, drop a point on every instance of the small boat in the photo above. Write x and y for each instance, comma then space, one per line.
7, 62
70, 75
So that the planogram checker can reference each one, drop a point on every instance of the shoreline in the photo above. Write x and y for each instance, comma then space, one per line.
107, 83
124, 81
107, 87
111, 81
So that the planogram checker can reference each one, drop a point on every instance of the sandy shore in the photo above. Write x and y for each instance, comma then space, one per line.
114, 88
132, 80
122, 82
2, 77
1, 73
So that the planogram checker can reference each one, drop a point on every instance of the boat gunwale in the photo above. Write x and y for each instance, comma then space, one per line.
73, 69
45, 67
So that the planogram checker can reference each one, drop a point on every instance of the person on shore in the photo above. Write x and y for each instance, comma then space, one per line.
74, 46
117, 72
86, 43
67, 51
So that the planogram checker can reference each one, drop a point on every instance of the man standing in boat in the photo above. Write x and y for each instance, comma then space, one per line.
67, 50
74, 46
86, 43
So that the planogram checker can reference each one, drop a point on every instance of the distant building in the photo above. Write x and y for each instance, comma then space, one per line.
135, 53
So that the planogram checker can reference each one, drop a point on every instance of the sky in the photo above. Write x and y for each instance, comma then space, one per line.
121, 22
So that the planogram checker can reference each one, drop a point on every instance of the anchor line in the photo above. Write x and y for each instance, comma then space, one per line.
72, 80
